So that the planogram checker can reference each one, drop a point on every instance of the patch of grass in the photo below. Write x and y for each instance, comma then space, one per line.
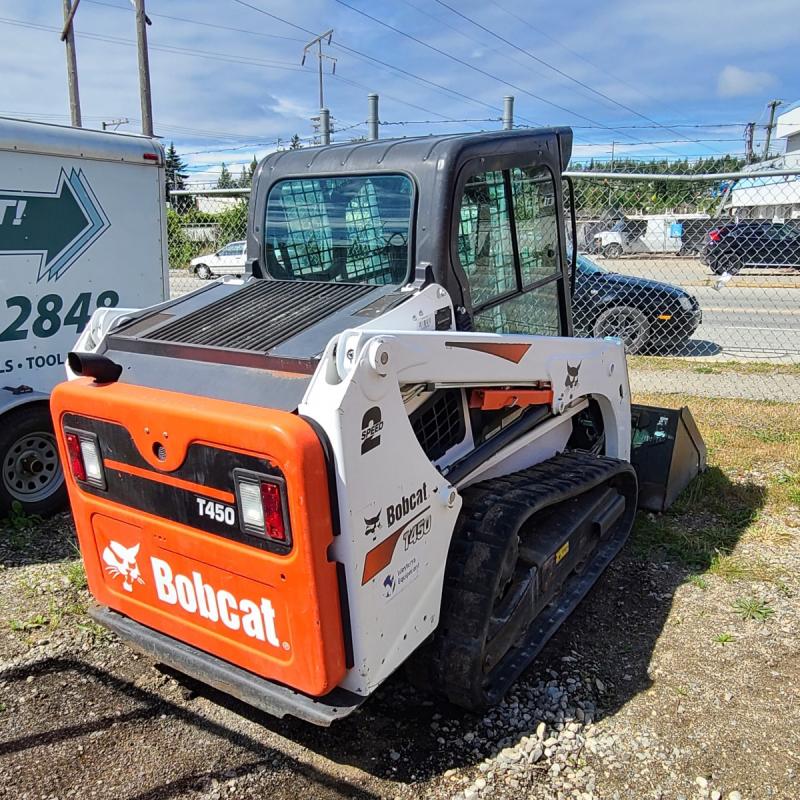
699, 581
723, 638
733, 568
23, 626
660, 363
753, 608
793, 495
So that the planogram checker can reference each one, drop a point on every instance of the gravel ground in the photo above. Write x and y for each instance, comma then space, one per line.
672, 680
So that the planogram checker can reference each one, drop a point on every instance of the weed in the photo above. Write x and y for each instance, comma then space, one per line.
18, 519
36, 621
793, 495
94, 632
699, 581
76, 575
723, 638
681, 691
752, 608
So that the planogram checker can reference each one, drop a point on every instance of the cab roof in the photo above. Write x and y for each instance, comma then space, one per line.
412, 154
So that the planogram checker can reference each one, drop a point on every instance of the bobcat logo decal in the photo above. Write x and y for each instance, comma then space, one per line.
371, 524
121, 561
572, 375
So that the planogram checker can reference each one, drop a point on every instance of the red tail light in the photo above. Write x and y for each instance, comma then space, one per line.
261, 501
75, 456
715, 236
274, 526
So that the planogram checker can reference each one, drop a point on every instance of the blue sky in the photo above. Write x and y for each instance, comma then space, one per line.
231, 87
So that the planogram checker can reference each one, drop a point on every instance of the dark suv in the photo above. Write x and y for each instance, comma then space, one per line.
755, 243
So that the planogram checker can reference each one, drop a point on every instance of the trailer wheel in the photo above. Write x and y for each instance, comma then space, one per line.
31, 471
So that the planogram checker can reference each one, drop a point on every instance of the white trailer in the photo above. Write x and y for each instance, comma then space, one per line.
82, 227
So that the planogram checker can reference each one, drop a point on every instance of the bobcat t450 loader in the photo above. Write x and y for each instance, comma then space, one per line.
381, 446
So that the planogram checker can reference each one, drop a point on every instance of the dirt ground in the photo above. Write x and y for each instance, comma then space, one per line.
677, 677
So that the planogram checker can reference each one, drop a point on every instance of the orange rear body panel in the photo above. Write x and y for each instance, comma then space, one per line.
276, 614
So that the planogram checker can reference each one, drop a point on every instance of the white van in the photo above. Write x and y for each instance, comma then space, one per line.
647, 233
82, 227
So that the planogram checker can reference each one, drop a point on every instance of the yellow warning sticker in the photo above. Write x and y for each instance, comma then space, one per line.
562, 551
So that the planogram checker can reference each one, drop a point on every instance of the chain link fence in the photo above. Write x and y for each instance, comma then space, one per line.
697, 272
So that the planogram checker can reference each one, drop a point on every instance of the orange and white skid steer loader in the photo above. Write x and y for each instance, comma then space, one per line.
382, 445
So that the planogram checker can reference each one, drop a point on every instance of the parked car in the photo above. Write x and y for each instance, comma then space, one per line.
755, 243
229, 260
647, 315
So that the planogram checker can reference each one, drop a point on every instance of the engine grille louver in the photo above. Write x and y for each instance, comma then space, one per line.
260, 315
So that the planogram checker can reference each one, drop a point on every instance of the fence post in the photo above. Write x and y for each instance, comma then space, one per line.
325, 125
508, 112
372, 116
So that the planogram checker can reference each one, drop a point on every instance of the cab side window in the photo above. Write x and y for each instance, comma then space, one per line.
508, 247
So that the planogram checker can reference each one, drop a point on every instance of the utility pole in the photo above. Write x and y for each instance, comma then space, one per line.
749, 132
68, 37
142, 21
325, 126
372, 117
323, 37
508, 112
773, 105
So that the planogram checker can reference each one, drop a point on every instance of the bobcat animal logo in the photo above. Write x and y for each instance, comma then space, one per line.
121, 561
572, 375
371, 524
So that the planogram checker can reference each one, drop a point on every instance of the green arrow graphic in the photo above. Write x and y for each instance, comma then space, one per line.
60, 226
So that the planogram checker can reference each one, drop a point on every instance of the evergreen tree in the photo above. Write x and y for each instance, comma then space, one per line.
225, 180
175, 169
295, 143
243, 181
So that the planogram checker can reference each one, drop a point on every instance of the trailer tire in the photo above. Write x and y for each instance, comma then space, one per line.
31, 470
613, 250
203, 271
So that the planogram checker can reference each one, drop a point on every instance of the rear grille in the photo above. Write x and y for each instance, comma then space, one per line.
439, 423
260, 315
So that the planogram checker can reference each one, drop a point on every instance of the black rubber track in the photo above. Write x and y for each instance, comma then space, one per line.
484, 551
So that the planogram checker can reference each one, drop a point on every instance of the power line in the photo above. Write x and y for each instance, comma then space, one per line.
482, 71
556, 69
373, 59
576, 53
198, 22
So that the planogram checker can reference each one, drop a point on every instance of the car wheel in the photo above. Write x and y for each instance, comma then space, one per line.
203, 271
613, 250
626, 323
31, 471
730, 264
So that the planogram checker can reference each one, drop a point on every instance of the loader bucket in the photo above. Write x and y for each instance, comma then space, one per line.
667, 452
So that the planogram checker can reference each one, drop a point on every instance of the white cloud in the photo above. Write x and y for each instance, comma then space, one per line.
737, 82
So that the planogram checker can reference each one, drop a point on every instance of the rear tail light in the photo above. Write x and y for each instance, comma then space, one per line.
75, 456
85, 460
715, 236
262, 506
